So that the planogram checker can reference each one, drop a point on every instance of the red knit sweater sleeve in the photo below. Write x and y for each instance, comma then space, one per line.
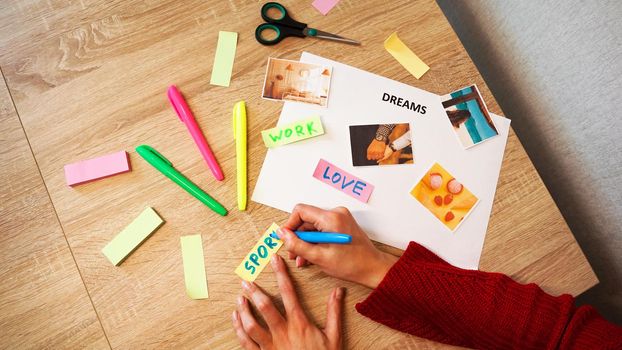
425, 296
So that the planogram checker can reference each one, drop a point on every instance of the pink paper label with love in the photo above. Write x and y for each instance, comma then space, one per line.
343, 181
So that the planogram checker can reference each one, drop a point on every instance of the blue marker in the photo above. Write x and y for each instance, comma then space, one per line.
321, 237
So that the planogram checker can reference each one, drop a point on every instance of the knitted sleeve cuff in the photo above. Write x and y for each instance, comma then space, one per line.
425, 296
386, 304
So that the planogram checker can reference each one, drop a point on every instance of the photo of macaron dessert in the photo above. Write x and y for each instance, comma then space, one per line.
444, 196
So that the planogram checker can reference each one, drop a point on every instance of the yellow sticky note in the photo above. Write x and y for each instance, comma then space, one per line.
124, 243
405, 56
194, 266
223, 60
259, 256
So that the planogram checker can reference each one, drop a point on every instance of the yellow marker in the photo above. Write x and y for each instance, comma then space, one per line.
132, 236
405, 56
258, 257
239, 135
194, 266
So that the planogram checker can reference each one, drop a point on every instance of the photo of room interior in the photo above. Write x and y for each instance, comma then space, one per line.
294, 81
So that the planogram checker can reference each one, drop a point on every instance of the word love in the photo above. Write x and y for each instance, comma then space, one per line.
343, 181
260, 255
299, 130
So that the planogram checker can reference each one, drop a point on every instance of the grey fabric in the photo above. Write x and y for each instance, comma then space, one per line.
555, 67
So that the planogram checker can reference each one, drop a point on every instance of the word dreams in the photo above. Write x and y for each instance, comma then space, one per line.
343, 181
402, 102
300, 130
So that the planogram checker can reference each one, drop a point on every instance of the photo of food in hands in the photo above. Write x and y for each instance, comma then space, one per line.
288, 80
444, 196
381, 144
469, 116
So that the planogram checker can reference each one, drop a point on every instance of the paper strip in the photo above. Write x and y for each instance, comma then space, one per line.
324, 5
194, 266
343, 181
223, 60
296, 131
405, 56
258, 257
124, 243
97, 168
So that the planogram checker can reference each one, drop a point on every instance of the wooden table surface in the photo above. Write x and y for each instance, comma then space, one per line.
87, 78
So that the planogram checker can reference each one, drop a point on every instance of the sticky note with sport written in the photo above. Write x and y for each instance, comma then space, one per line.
97, 168
296, 131
343, 181
223, 60
405, 56
260, 255
124, 243
194, 266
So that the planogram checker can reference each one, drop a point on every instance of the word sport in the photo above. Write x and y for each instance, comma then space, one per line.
258, 257
343, 181
296, 131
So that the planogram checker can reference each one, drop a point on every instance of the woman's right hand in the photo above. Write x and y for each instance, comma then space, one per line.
358, 262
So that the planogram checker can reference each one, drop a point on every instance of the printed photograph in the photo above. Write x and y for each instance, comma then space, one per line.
381, 144
444, 196
295, 81
469, 116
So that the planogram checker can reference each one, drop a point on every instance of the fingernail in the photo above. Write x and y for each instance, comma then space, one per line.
339, 293
234, 316
246, 286
298, 261
240, 300
284, 234
274, 260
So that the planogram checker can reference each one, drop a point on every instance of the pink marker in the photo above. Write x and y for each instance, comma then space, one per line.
185, 115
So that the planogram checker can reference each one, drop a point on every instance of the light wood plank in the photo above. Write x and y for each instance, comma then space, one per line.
44, 303
95, 83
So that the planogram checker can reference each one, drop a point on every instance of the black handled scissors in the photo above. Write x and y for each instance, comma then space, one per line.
285, 26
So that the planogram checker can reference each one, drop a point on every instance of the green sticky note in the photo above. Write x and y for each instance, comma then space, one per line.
124, 243
223, 60
299, 130
194, 266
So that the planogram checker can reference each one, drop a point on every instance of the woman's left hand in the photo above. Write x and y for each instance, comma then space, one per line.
290, 331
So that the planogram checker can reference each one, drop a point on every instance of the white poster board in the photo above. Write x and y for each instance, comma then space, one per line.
392, 216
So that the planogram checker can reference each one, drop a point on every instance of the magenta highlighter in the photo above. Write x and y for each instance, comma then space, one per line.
185, 115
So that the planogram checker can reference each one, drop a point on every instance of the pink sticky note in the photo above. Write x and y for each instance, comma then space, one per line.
97, 168
324, 5
343, 181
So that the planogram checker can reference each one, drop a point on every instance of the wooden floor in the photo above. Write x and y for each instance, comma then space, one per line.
87, 78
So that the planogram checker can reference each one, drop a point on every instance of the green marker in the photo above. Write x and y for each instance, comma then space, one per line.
165, 167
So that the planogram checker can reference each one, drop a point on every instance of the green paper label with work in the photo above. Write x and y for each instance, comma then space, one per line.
299, 130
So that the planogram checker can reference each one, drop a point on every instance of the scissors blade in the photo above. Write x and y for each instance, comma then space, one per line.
314, 33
